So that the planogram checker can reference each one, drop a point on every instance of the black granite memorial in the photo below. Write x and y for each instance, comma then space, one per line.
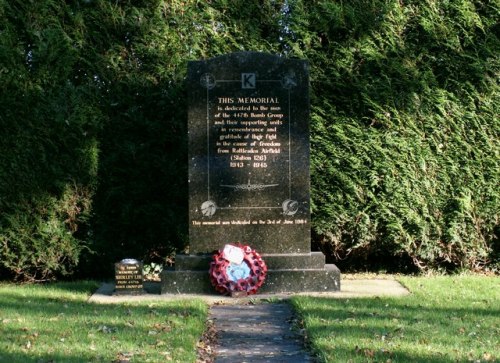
128, 277
249, 172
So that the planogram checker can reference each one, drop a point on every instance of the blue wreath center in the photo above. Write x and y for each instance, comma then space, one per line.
236, 272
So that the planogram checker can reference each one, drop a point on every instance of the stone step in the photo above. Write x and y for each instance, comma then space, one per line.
313, 260
304, 280
326, 279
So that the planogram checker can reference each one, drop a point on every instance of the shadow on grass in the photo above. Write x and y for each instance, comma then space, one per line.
382, 308
38, 328
394, 356
398, 329
51, 358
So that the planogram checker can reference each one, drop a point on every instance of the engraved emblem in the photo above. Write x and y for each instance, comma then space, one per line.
207, 81
208, 208
248, 80
288, 81
249, 186
290, 207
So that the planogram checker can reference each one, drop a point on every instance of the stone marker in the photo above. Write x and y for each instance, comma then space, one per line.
128, 277
249, 172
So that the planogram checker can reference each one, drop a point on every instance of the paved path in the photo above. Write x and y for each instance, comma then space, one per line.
261, 332
257, 333
349, 289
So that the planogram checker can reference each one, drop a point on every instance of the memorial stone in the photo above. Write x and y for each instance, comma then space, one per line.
248, 123
128, 277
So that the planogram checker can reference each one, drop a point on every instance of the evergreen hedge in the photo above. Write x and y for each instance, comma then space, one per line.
405, 129
48, 145
95, 99
143, 50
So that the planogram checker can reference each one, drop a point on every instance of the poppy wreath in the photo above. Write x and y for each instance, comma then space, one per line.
228, 277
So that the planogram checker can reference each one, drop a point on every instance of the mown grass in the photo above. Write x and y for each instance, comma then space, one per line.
445, 319
55, 323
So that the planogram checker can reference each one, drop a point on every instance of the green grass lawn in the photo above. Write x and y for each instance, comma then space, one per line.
445, 319
54, 323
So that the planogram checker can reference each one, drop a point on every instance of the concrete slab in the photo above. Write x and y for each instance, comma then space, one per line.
257, 333
349, 289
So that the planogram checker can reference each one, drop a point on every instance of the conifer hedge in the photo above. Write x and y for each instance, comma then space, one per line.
405, 129
96, 113
48, 145
143, 50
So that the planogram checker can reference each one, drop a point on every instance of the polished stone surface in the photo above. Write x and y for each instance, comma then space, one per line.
249, 177
128, 277
249, 153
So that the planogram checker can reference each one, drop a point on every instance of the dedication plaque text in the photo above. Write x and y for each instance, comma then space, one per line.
249, 153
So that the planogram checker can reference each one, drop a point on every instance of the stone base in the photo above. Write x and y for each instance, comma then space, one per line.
286, 273
318, 280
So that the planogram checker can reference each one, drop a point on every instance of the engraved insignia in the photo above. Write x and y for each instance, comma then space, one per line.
249, 186
207, 81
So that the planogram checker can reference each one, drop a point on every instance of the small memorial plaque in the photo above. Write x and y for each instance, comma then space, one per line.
128, 277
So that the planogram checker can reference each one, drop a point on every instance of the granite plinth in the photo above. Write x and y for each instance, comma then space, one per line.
286, 273
201, 262
313, 280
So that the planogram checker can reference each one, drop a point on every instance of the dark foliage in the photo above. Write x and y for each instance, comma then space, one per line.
405, 128
405, 133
